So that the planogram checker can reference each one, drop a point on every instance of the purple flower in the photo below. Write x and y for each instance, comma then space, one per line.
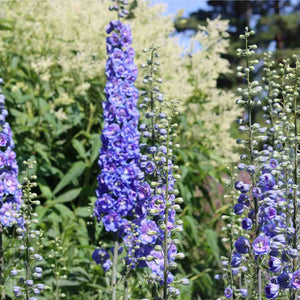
238, 209
273, 163
101, 257
278, 241
266, 181
236, 259
242, 187
103, 205
228, 293
242, 245
256, 192
284, 280
114, 40
3, 140
111, 222
149, 167
9, 191
121, 191
157, 203
243, 198
274, 264
9, 213
144, 191
270, 212
157, 264
272, 290
251, 169
261, 245
244, 292
146, 236
114, 25
296, 280
247, 223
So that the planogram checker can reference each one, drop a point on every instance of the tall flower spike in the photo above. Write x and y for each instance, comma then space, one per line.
156, 232
248, 200
120, 7
119, 197
10, 194
232, 269
29, 271
287, 135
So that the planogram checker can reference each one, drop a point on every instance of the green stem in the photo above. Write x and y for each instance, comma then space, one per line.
256, 205
27, 255
114, 270
126, 295
2, 264
57, 281
151, 96
295, 198
165, 244
126, 276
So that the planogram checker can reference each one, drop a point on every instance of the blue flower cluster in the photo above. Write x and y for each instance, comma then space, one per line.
102, 257
119, 181
10, 194
121, 192
267, 205
154, 243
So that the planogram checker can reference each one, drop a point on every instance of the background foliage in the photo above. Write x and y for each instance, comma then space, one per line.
274, 21
52, 59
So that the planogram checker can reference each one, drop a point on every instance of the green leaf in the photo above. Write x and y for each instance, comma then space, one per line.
68, 196
192, 225
41, 211
212, 240
65, 282
44, 188
64, 210
81, 271
83, 212
79, 148
76, 170
96, 144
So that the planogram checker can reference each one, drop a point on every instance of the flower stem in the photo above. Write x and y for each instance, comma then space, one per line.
165, 244
2, 264
57, 281
256, 205
27, 259
295, 198
114, 270
126, 295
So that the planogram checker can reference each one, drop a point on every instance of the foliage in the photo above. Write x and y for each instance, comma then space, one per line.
275, 24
